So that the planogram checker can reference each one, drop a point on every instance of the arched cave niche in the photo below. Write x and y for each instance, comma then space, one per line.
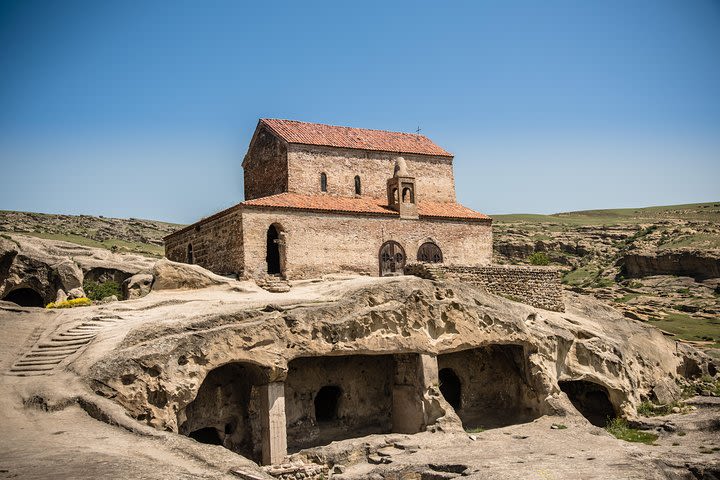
225, 410
450, 387
102, 275
25, 297
338, 397
488, 386
590, 399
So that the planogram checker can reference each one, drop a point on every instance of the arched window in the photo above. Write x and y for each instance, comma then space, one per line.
358, 189
323, 182
190, 259
429, 253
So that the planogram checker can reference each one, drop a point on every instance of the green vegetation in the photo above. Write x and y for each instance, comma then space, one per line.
706, 383
649, 409
474, 430
559, 426
695, 211
619, 428
75, 302
539, 258
627, 298
113, 244
97, 291
687, 327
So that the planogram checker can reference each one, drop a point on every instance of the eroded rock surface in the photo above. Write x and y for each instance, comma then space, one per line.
33, 270
189, 361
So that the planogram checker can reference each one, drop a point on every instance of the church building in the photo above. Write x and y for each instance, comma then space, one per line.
324, 199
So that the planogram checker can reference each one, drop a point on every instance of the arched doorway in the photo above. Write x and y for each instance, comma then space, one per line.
429, 253
450, 387
273, 250
25, 297
392, 259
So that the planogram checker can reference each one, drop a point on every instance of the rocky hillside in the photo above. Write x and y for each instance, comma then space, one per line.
657, 264
116, 234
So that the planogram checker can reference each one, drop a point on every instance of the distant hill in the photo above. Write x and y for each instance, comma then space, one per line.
117, 234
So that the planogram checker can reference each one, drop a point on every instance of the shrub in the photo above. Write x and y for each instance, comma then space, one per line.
539, 258
619, 428
75, 302
97, 291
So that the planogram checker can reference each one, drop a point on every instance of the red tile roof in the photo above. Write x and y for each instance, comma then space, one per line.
293, 131
362, 205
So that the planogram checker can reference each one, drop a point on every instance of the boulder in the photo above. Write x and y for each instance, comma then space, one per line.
69, 274
172, 275
137, 286
61, 296
666, 391
76, 293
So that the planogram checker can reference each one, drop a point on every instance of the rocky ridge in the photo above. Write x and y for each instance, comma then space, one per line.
659, 264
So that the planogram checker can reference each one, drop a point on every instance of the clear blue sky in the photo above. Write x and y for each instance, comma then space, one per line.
145, 108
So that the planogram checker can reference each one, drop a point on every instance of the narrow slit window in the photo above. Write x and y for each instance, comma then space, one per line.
323, 182
358, 187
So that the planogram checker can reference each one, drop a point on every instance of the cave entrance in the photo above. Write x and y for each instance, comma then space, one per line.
326, 403
488, 386
25, 297
450, 387
206, 435
590, 399
226, 409
338, 397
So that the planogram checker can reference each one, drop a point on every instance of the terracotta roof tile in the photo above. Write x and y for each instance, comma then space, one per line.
363, 205
293, 131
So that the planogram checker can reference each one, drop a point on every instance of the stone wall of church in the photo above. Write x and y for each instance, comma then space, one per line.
216, 243
318, 244
265, 166
434, 175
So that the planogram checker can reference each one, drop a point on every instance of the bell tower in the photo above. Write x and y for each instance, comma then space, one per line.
401, 191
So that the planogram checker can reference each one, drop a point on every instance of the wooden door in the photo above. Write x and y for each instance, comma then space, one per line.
392, 259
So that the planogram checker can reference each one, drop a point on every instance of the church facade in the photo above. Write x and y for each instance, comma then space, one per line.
324, 199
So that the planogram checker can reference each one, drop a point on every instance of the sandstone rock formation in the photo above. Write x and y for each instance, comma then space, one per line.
33, 270
358, 356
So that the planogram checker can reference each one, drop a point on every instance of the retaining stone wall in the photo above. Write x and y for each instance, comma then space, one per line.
540, 287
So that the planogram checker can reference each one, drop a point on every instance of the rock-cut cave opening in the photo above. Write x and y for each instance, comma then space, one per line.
590, 399
338, 397
206, 435
326, 403
450, 387
25, 297
225, 409
488, 386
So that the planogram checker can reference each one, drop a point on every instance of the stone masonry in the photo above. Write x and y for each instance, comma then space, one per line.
537, 286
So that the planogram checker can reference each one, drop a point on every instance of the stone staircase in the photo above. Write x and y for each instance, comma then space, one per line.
47, 354
428, 271
275, 284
